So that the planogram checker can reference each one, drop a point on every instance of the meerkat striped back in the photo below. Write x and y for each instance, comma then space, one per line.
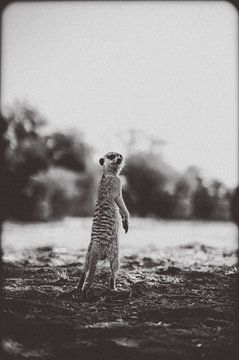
106, 217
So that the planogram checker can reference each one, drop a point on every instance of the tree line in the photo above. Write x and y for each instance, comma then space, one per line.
49, 176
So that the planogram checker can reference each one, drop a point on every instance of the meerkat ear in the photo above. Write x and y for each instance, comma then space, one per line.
101, 161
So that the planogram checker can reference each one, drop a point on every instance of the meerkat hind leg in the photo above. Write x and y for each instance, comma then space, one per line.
114, 265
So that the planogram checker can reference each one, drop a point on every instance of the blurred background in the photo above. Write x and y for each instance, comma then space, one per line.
156, 81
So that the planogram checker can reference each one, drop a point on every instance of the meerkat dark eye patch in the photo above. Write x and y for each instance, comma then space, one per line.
111, 157
101, 161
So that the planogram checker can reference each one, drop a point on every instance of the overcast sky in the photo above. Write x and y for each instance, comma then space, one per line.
169, 68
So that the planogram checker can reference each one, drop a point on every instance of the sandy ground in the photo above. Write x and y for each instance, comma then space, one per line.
178, 306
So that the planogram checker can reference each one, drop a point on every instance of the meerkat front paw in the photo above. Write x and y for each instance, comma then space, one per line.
125, 222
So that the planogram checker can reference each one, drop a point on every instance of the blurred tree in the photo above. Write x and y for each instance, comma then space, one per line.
234, 207
46, 195
47, 177
220, 201
25, 154
182, 208
201, 202
3, 199
184, 190
4, 143
68, 151
29, 152
148, 185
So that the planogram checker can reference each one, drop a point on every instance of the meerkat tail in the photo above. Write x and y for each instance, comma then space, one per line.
85, 269
81, 282
93, 259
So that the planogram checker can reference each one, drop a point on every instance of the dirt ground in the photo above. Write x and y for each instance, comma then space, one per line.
162, 310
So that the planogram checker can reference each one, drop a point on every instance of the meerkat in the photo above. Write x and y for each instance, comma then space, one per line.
105, 227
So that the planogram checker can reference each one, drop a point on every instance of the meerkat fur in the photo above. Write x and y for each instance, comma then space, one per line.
105, 227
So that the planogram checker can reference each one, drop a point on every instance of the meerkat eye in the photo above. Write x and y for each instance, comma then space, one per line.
111, 157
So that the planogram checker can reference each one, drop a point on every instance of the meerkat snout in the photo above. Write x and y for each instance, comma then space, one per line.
111, 158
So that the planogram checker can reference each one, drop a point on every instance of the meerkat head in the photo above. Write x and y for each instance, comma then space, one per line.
112, 162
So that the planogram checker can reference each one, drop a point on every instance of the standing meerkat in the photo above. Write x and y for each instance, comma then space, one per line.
104, 234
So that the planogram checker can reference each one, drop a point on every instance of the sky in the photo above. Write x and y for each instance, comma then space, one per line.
167, 68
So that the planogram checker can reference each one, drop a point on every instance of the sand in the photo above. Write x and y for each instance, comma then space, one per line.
179, 304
